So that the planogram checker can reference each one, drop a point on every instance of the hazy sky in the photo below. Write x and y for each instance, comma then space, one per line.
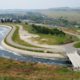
37, 4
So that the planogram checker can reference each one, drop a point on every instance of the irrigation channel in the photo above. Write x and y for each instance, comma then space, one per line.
16, 56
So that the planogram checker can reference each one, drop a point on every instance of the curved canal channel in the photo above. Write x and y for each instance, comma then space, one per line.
16, 56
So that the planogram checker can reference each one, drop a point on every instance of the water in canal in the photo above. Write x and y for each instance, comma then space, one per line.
15, 56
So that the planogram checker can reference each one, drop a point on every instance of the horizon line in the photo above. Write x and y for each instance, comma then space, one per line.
37, 8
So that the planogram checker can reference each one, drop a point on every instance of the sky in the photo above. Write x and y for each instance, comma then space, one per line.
37, 4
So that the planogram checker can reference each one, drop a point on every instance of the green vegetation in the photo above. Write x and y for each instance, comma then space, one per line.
51, 36
14, 70
10, 78
46, 30
17, 39
77, 45
54, 40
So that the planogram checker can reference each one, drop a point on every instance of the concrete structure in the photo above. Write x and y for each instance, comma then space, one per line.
75, 59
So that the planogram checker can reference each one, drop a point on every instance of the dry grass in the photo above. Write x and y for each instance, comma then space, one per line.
70, 15
35, 71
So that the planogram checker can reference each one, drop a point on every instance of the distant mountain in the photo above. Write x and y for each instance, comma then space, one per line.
24, 11
9, 11
65, 9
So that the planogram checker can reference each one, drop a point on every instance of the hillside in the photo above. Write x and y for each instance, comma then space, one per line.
14, 70
72, 14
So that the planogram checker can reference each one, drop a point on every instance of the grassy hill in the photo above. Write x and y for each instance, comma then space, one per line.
14, 70
71, 15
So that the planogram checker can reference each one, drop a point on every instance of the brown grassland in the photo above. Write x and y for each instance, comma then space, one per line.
15, 70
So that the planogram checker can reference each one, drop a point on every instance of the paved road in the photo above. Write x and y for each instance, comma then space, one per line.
38, 54
71, 52
75, 59
10, 41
